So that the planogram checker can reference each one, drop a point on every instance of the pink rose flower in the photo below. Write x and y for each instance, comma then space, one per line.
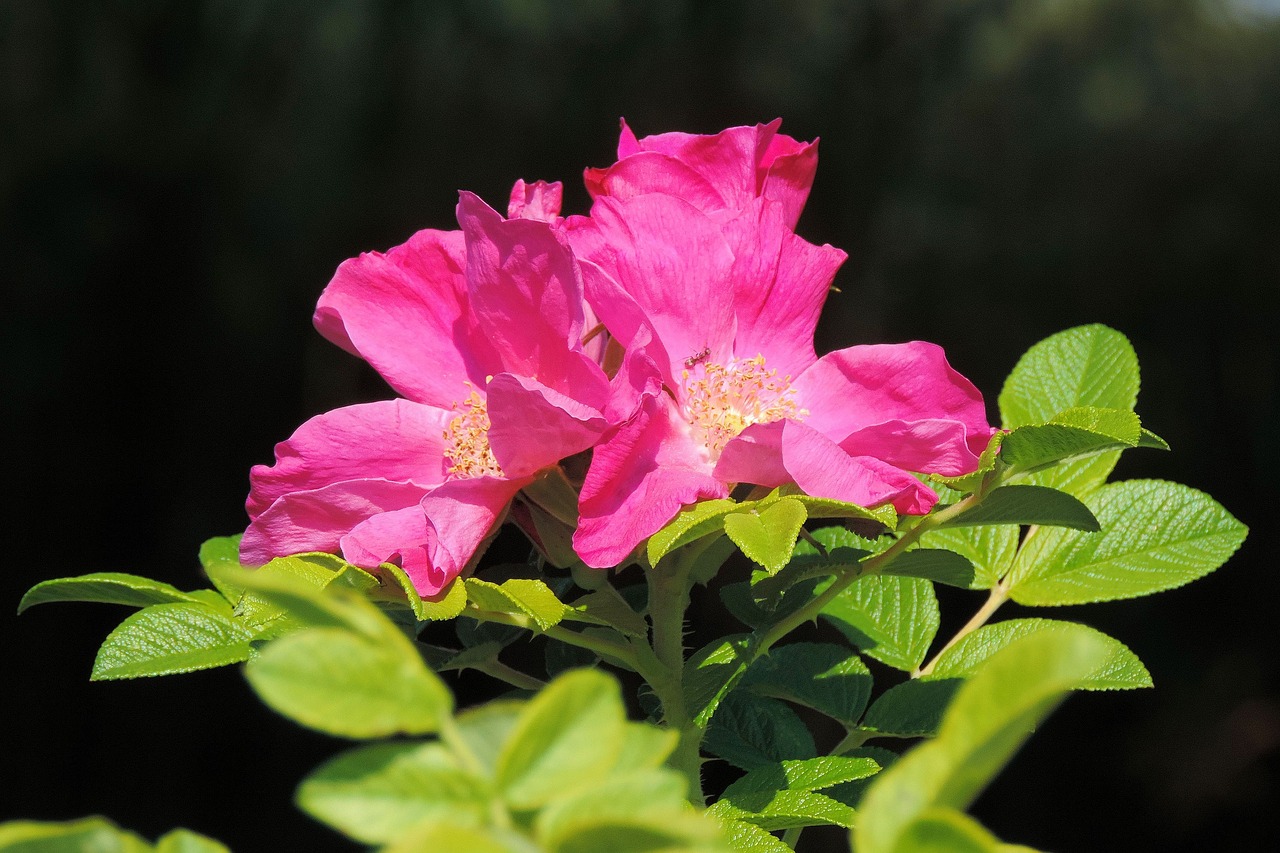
718, 174
721, 384
480, 330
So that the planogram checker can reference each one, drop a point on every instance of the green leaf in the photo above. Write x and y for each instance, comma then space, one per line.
644, 746
1078, 431
220, 551
988, 720
913, 708
822, 676
375, 793
946, 831
810, 774
520, 597
768, 535
989, 548
934, 564
749, 731
1121, 670
1028, 505
606, 607
343, 683
89, 835
748, 838
166, 639
1155, 536
785, 810
832, 508
445, 835
105, 588
970, 482
650, 801
711, 672
445, 605
892, 619
273, 603
186, 841
701, 519
1085, 366
486, 728
567, 738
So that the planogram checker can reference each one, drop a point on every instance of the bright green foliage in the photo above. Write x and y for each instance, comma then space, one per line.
749, 731
946, 831
1028, 505
989, 548
106, 588
822, 676
339, 682
913, 708
784, 794
987, 462
485, 728
649, 803
699, 520
748, 838
811, 774
1155, 536
1078, 431
767, 535
934, 564
165, 639
892, 619
832, 508
376, 793
988, 720
1121, 670
186, 841
785, 810
567, 738
531, 599
711, 672
96, 835
1091, 366
446, 605
443, 834
606, 607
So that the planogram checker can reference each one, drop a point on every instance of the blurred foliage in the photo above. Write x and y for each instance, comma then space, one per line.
179, 180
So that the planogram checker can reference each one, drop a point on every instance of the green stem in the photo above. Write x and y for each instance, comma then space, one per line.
501, 671
792, 836
669, 587
999, 595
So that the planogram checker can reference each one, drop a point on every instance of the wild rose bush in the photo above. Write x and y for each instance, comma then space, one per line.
636, 389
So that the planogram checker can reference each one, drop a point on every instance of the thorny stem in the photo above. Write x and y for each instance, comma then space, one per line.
669, 587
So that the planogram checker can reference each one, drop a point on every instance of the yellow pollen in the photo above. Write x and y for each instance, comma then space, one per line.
727, 399
466, 441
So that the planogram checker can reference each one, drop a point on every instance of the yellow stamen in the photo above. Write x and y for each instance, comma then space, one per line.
466, 441
727, 399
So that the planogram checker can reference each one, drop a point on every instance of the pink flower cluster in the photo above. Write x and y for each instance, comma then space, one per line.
689, 284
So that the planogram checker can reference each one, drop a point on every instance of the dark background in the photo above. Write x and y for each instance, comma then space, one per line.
179, 180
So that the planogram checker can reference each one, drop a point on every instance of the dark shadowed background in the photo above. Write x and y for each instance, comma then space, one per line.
179, 180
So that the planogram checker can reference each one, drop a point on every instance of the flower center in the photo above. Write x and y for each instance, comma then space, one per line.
727, 399
466, 441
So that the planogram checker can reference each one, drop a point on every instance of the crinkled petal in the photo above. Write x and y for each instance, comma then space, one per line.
779, 284
526, 292
787, 168
674, 264
317, 520
641, 474
879, 391
395, 440
405, 313
539, 200
789, 451
533, 426
714, 172
403, 537
464, 514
